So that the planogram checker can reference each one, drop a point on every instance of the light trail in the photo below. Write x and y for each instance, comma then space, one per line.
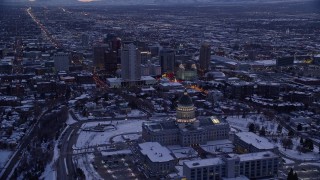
43, 28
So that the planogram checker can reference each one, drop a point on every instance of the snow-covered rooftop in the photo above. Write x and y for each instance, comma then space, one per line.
111, 153
204, 162
255, 140
156, 152
255, 156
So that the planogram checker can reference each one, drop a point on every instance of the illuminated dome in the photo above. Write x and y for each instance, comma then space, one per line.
185, 100
185, 109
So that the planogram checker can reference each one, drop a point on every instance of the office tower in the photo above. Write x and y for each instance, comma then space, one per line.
116, 44
99, 56
111, 62
167, 60
130, 62
61, 61
145, 56
205, 55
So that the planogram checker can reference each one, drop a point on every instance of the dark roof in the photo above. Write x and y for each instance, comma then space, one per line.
185, 100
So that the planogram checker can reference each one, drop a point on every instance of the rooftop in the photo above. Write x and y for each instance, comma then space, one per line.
255, 140
204, 162
156, 152
255, 156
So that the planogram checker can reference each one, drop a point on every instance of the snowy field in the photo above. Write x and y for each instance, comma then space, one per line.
4, 157
87, 138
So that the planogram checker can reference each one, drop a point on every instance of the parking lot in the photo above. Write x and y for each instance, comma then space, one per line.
117, 167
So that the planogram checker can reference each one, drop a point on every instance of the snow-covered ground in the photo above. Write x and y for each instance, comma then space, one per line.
133, 113
70, 120
50, 171
288, 161
242, 124
87, 138
294, 154
84, 162
4, 157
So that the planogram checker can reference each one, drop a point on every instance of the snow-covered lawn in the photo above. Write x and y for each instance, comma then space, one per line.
87, 138
242, 124
133, 113
4, 157
294, 154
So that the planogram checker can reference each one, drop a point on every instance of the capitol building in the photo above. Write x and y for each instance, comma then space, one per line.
186, 129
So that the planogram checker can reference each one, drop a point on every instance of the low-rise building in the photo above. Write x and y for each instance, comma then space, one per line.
250, 142
253, 165
157, 159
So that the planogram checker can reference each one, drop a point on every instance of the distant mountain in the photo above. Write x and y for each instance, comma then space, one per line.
146, 2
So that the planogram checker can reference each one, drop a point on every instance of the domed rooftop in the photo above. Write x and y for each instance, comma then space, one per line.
185, 100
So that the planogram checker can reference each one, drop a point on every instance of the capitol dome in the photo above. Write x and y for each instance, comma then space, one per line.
185, 109
185, 100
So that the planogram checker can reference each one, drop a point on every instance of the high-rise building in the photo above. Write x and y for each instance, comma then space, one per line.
167, 60
130, 62
145, 56
61, 61
111, 62
205, 55
99, 56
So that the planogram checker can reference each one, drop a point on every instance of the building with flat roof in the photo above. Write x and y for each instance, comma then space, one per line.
120, 82
250, 142
253, 165
158, 159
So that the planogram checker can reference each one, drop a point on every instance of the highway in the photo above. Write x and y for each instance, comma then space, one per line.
43, 28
